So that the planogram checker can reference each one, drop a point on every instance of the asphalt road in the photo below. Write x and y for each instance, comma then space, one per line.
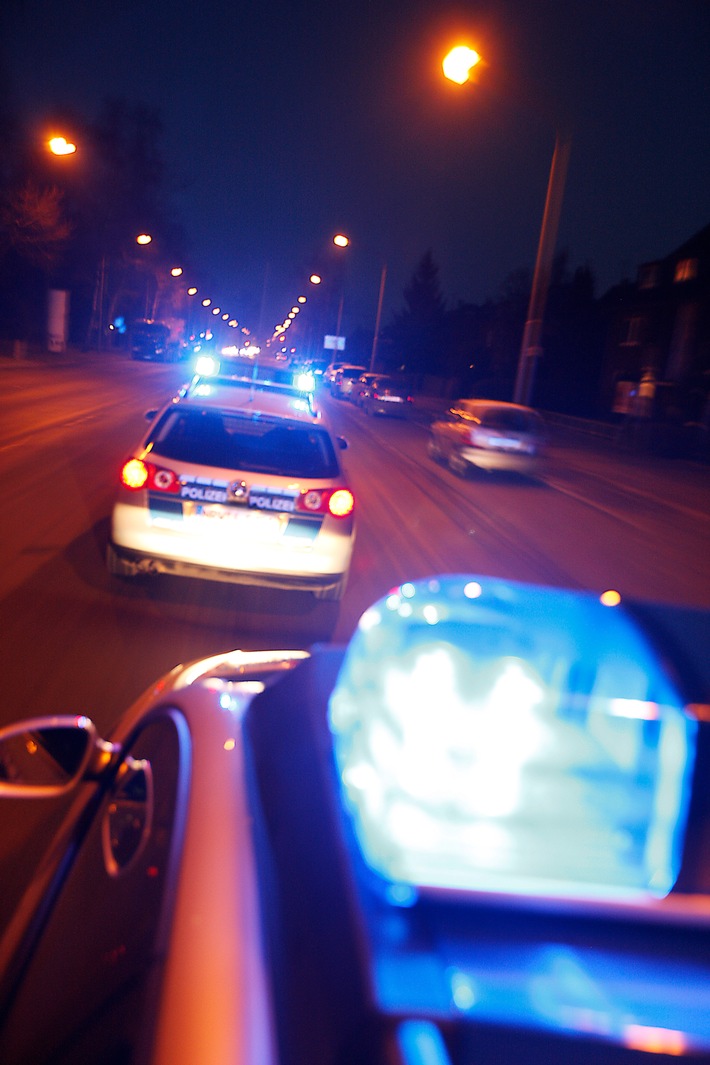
75, 640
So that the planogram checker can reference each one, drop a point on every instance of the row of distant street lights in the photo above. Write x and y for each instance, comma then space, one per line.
60, 146
340, 240
192, 290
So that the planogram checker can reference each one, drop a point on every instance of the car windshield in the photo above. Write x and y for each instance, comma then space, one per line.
231, 441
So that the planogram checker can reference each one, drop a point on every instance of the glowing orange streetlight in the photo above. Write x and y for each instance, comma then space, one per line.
459, 63
341, 240
61, 146
315, 279
176, 271
143, 238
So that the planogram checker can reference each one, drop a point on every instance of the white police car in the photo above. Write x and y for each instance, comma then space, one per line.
236, 480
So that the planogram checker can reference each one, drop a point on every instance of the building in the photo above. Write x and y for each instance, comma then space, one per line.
659, 327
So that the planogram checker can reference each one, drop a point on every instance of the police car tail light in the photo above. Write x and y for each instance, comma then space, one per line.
339, 501
137, 474
498, 737
134, 474
162, 479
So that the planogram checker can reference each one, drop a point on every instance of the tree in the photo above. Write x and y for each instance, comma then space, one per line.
34, 234
569, 375
416, 335
33, 224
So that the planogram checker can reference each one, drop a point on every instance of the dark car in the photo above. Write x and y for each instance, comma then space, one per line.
151, 340
476, 834
359, 389
386, 395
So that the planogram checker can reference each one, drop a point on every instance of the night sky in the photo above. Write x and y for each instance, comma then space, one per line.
288, 121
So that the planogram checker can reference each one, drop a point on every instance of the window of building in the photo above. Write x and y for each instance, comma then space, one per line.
686, 270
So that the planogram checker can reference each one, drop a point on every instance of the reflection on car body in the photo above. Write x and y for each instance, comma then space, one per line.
475, 834
240, 481
489, 435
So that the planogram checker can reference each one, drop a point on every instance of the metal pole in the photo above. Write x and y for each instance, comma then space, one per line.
337, 326
373, 356
531, 348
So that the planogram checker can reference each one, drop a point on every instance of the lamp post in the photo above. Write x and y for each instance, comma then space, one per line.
58, 298
343, 242
457, 66
531, 345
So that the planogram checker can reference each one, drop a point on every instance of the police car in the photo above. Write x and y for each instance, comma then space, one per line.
236, 480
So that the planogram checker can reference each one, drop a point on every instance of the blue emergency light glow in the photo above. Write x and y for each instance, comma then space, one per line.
305, 381
207, 366
501, 737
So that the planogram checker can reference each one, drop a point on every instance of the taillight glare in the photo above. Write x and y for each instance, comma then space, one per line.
338, 502
134, 474
341, 503
137, 474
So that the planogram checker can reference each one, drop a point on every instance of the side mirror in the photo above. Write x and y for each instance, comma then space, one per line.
45, 756
150, 414
342, 443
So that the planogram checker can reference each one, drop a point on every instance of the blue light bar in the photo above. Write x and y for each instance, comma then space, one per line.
207, 366
305, 381
501, 737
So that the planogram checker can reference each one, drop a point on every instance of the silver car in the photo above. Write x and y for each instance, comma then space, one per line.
344, 381
489, 435
239, 482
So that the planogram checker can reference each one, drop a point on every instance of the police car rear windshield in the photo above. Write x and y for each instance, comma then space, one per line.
231, 441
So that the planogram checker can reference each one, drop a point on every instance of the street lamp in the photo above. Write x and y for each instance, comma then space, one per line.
58, 299
457, 66
61, 146
459, 63
343, 242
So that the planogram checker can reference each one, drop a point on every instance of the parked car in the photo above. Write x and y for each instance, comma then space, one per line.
344, 381
236, 480
330, 372
152, 340
360, 388
386, 395
476, 834
489, 435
